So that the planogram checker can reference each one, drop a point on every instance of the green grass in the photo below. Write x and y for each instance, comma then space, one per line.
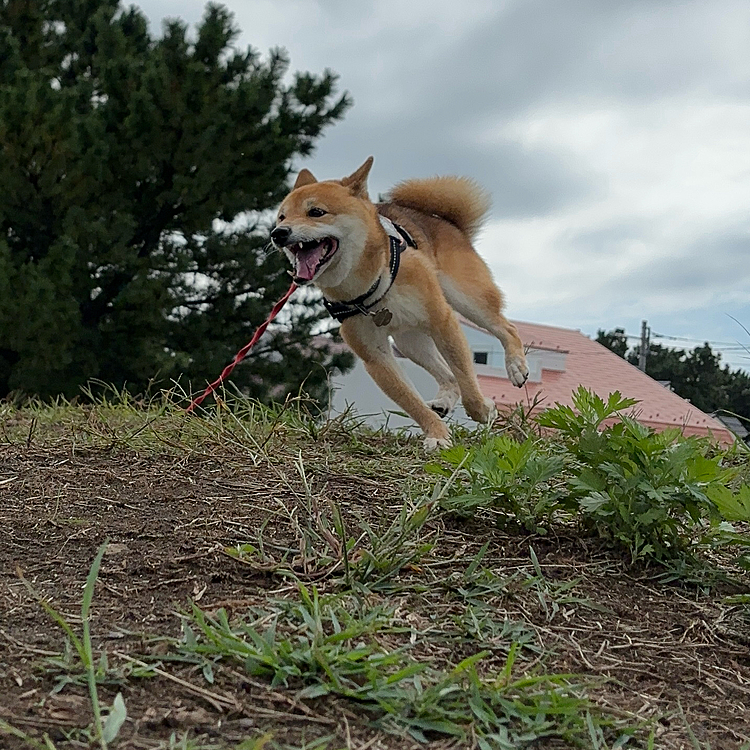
338, 645
360, 571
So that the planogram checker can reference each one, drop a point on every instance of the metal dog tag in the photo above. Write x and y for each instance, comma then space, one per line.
382, 317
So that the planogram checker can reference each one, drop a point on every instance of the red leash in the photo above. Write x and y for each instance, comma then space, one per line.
242, 353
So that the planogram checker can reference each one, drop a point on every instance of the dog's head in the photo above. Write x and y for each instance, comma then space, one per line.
323, 227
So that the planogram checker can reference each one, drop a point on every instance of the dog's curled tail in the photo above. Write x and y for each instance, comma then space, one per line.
459, 200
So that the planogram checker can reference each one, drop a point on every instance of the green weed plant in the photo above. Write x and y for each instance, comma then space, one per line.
107, 725
656, 495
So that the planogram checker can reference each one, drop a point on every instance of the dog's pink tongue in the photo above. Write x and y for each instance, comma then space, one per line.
307, 261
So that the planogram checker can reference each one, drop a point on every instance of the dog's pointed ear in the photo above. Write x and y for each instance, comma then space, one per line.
305, 177
357, 181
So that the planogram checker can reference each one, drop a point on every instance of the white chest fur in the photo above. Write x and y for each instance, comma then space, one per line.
407, 309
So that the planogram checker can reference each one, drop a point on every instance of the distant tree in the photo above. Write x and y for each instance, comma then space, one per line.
704, 381
695, 375
615, 340
135, 174
662, 363
738, 396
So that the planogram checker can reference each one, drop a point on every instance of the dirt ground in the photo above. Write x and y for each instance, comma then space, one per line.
664, 648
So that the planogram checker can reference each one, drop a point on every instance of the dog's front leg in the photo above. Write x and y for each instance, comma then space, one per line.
374, 349
452, 344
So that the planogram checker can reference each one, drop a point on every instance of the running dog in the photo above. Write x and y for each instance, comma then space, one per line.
398, 270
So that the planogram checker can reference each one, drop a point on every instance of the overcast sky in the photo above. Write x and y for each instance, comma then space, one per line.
613, 135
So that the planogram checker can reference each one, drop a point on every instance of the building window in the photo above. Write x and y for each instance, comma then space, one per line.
480, 358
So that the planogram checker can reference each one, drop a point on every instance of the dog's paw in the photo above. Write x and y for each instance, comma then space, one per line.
434, 443
443, 404
483, 412
491, 411
518, 370
440, 409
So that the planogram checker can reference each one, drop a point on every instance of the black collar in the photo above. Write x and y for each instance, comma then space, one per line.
360, 305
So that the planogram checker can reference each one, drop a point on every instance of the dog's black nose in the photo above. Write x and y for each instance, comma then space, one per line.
280, 235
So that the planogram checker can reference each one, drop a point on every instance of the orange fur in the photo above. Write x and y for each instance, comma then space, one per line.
459, 200
444, 273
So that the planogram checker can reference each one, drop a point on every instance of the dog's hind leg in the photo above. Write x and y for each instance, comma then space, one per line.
420, 348
471, 292
375, 351
452, 344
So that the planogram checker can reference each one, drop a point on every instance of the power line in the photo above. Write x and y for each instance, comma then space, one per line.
731, 345
686, 338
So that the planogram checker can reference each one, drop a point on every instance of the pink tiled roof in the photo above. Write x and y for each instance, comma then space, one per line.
592, 365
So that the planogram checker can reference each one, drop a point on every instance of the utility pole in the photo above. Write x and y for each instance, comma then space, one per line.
645, 336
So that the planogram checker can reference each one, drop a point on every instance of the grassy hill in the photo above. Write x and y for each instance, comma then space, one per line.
255, 578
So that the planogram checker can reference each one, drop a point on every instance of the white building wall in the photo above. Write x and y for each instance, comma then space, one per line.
479, 341
357, 390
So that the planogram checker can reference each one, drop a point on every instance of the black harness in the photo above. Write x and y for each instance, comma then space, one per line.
360, 305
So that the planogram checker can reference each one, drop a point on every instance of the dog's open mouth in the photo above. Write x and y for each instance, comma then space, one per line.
309, 257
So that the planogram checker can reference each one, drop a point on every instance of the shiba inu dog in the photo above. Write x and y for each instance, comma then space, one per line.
398, 270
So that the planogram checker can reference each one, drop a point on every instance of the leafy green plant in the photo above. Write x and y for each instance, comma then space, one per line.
370, 561
390, 549
647, 491
651, 494
553, 595
732, 507
317, 650
482, 625
504, 473
503, 713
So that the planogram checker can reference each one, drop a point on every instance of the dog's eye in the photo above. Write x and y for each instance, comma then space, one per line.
316, 212
281, 218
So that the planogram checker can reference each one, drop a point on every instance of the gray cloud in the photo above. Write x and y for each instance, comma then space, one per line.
611, 135
523, 182
716, 261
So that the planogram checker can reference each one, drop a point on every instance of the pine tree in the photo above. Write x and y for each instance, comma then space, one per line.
135, 174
